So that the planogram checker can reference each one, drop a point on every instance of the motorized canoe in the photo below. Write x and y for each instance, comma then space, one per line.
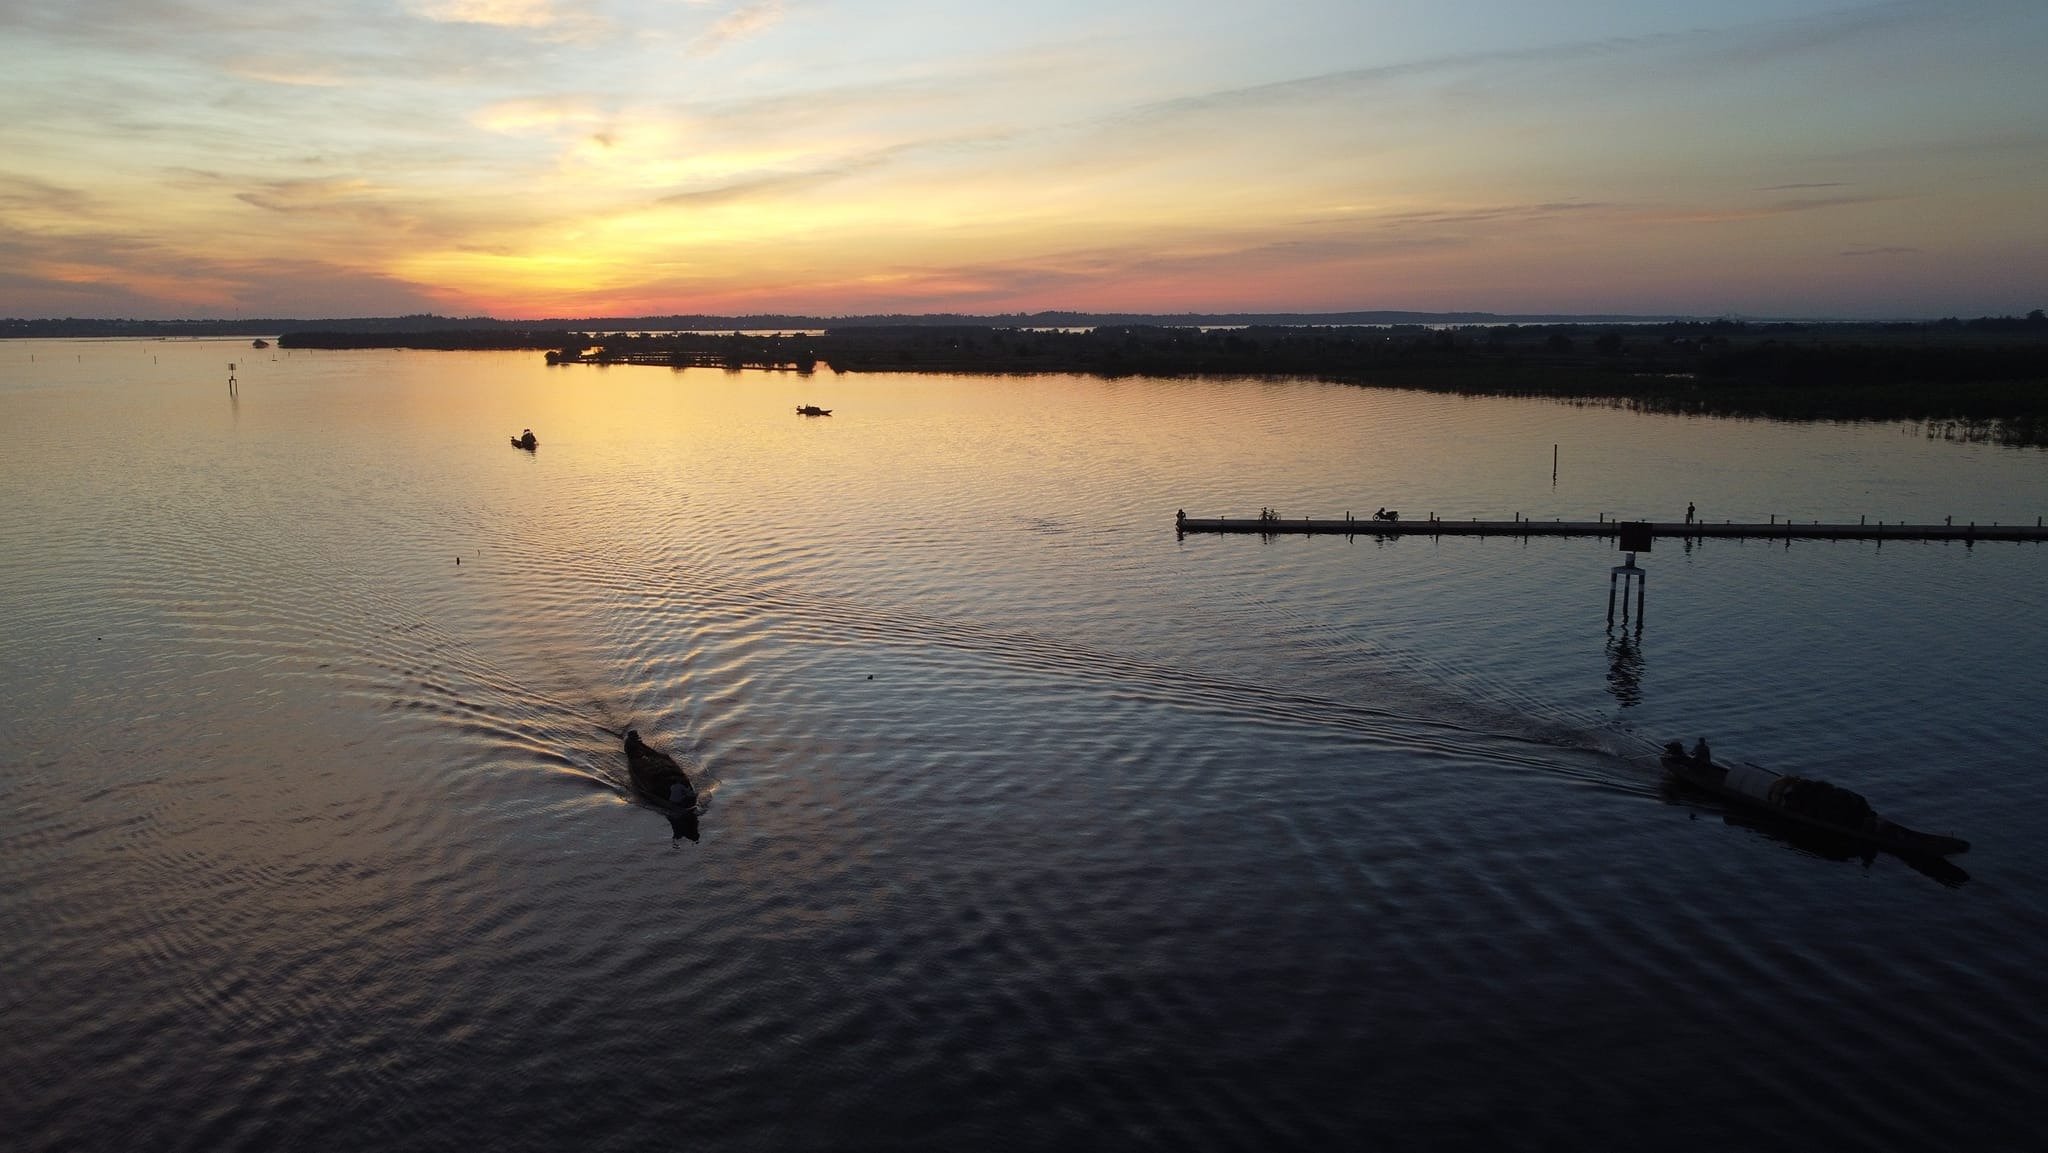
1810, 803
812, 410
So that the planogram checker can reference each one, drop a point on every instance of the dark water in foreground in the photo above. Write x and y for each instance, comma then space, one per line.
1028, 826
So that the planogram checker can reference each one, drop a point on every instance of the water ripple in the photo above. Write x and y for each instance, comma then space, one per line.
1028, 825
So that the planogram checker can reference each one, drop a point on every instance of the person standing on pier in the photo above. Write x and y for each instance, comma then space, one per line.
1688, 512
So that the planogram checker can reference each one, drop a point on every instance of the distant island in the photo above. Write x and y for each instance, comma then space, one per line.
1979, 380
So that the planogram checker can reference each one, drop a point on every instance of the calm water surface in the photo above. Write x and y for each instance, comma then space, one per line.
1027, 825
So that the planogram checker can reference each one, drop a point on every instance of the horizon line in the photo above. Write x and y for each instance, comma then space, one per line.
1095, 318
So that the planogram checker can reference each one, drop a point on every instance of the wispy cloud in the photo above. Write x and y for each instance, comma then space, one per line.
773, 183
293, 74
761, 184
1817, 203
546, 21
540, 112
746, 20
499, 13
1760, 211
122, 274
351, 199
1654, 58
1488, 214
25, 195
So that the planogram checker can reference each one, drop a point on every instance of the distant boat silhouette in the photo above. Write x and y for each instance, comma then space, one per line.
259, 343
812, 410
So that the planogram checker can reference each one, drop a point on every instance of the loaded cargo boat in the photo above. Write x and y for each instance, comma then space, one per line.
1811, 803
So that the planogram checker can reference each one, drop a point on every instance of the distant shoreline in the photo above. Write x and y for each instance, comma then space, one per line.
59, 328
1978, 381
1983, 381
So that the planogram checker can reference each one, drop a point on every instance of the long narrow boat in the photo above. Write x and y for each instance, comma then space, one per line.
1810, 803
657, 776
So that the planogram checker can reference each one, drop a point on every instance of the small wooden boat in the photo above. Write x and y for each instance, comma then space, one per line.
657, 776
527, 442
812, 410
1809, 803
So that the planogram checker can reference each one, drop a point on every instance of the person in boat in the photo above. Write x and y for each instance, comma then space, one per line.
1701, 753
656, 772
526, 438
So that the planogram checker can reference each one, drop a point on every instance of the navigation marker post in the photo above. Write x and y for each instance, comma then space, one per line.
1633, 537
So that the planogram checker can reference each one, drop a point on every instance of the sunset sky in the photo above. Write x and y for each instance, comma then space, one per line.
539, 158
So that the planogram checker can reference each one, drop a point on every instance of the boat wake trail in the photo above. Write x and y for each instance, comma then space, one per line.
694, 636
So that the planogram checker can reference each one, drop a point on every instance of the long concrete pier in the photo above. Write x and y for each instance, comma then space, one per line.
1775, 530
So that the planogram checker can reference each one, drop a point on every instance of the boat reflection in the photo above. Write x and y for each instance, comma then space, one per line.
1806, 840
